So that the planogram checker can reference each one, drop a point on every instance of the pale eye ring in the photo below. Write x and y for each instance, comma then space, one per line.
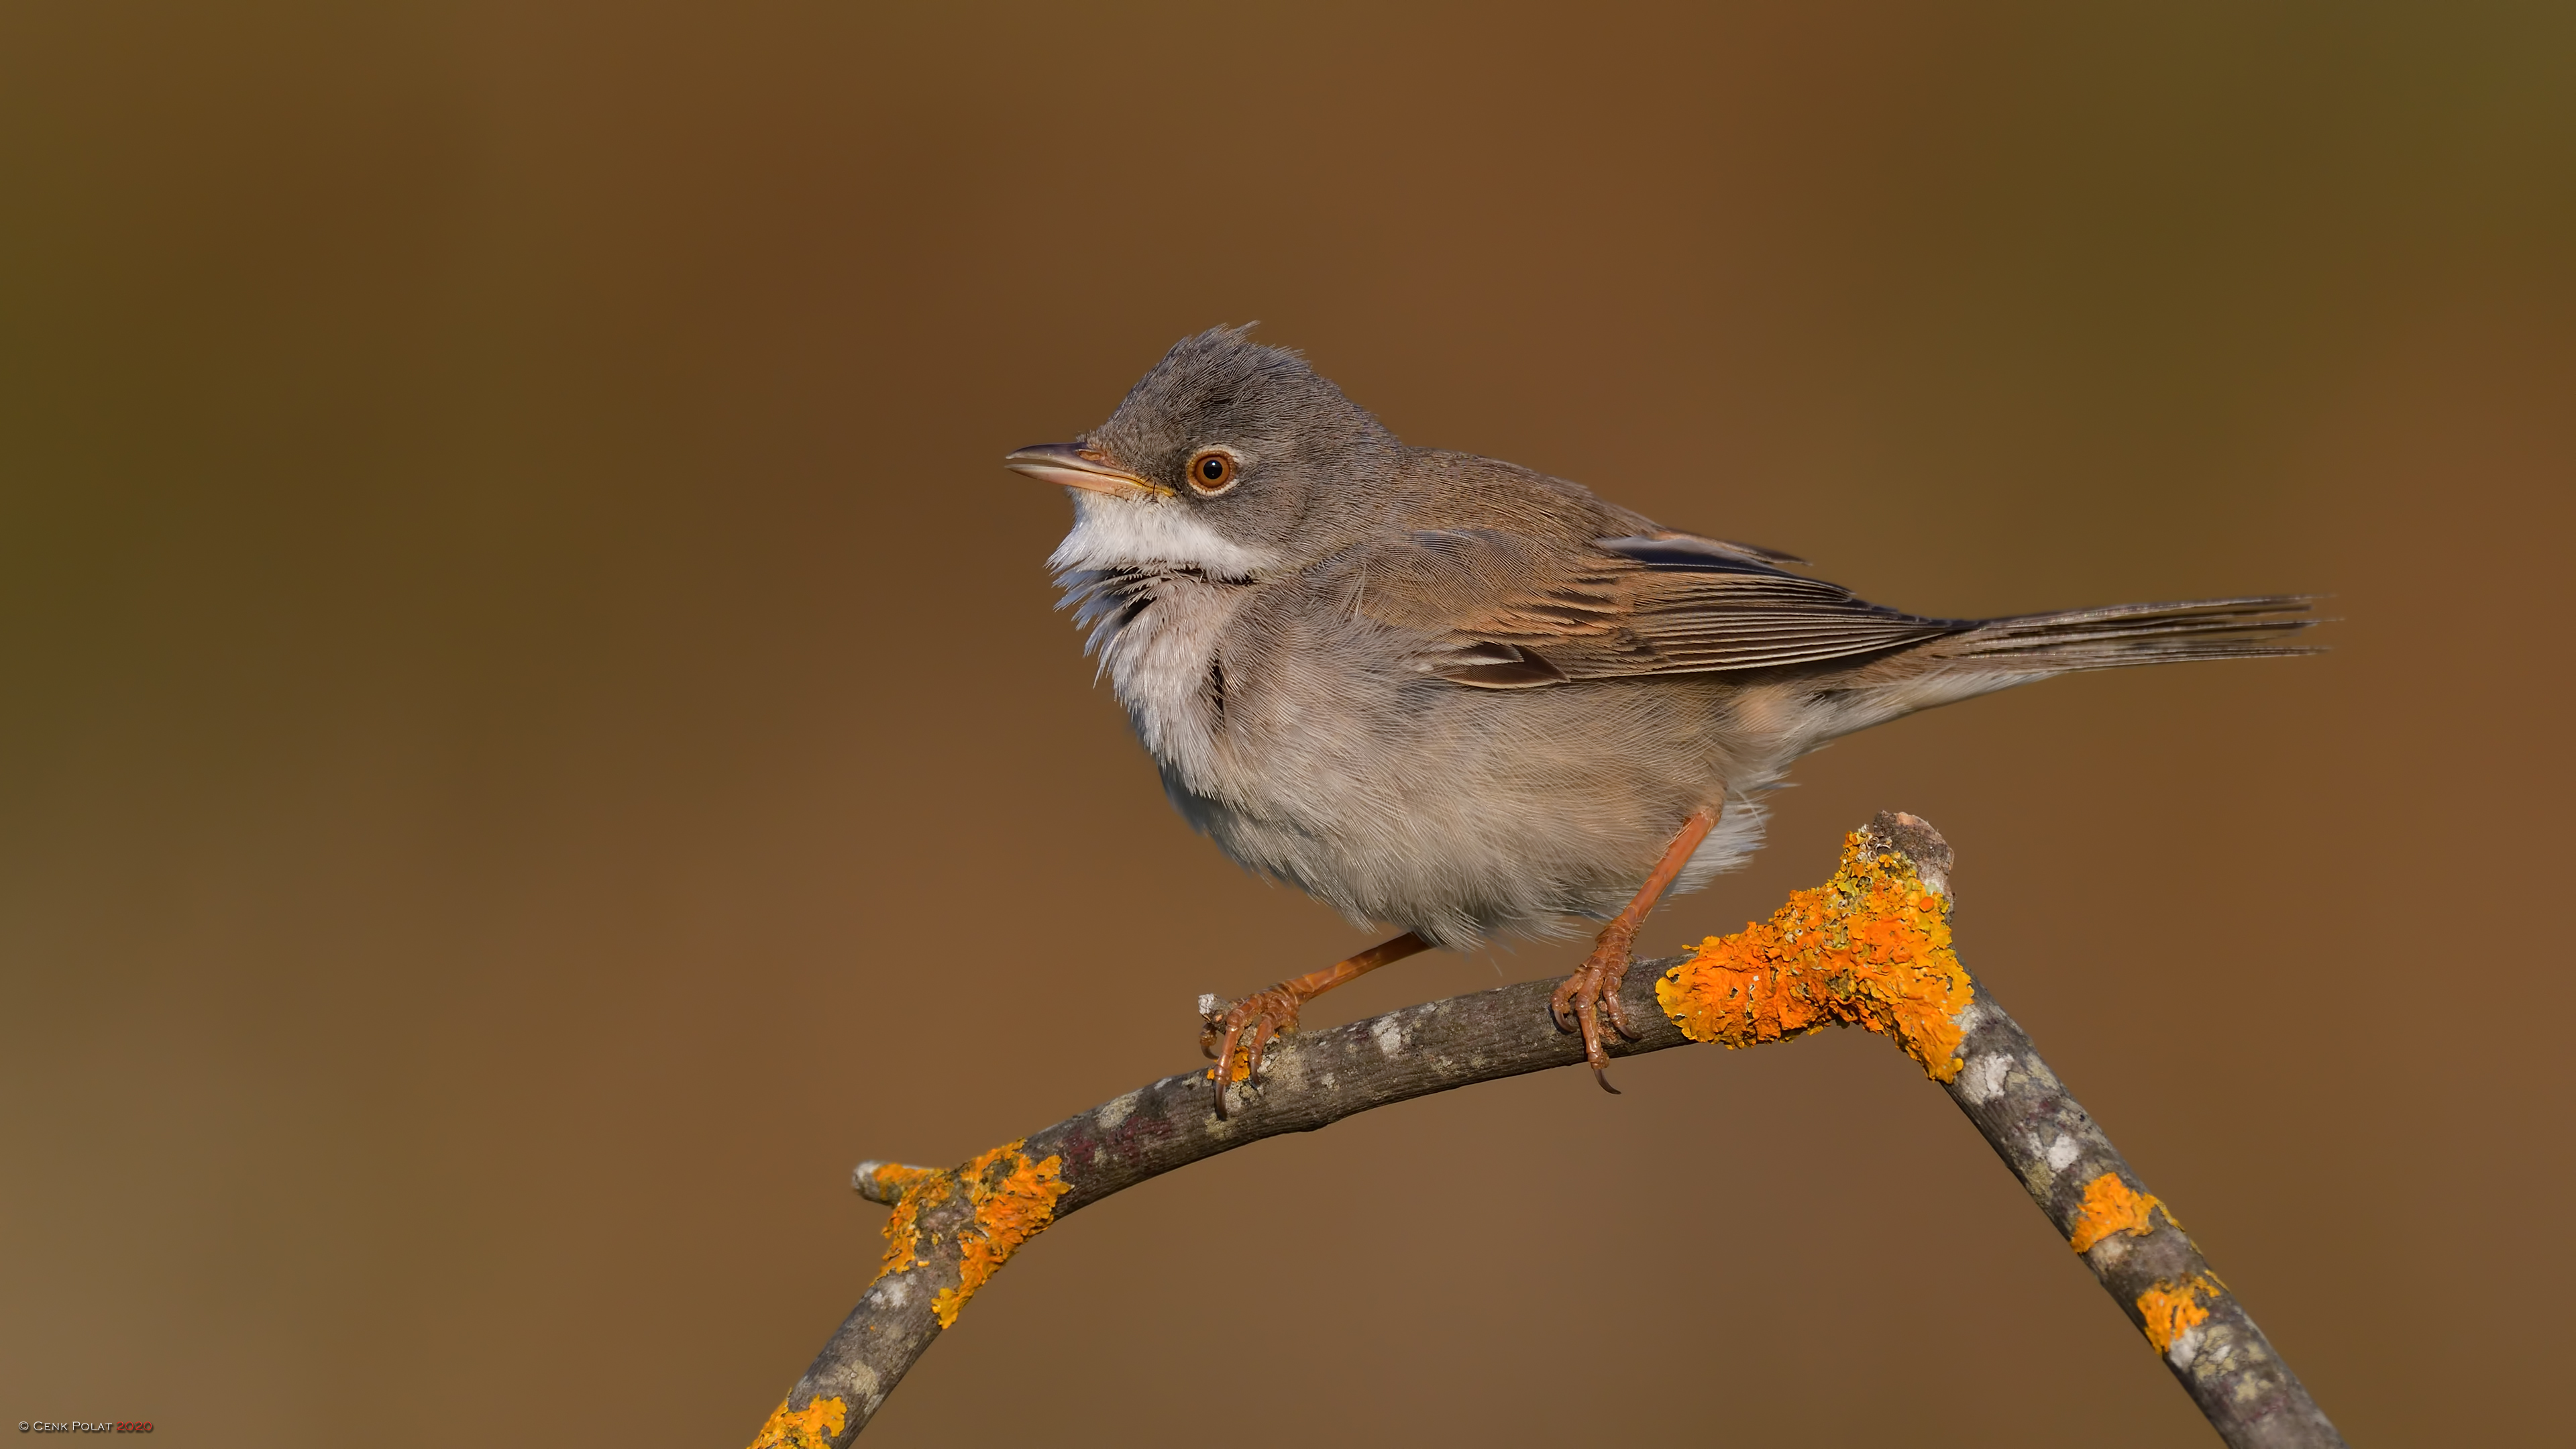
1211, 472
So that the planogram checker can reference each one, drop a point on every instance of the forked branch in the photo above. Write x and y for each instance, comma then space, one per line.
1870, 948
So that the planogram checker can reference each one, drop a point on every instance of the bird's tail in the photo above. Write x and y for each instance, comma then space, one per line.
1982, 656
2126, 634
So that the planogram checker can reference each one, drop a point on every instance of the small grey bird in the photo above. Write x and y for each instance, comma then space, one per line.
1450, 695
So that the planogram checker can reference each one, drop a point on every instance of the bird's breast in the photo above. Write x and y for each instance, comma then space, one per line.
1163, 663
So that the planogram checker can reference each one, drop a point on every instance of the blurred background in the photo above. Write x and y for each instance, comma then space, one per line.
534, 736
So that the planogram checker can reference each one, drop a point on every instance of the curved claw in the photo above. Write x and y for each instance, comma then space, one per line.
1267, 1015
1616, 1005
1262, 1033
1590, 994
1592, 1052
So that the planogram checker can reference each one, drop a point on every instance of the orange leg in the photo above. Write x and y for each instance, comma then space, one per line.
1266, 1014
1593, 990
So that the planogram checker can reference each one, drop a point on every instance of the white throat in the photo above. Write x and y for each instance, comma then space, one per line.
1156, 587
1127, 533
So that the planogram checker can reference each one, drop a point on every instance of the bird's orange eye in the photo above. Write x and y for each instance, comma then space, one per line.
1212, 471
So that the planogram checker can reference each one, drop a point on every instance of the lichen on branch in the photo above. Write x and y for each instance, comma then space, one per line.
910, 1189
1010, 1199
1869, 948
2110, 1206
1013, 1199
2171, 1311
816, 1426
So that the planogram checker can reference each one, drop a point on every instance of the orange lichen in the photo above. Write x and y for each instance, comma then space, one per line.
1869, 948
813, 1428
1013, 1200
912, 1188
1010, 1200
1238, 1067
2173, 1309
2110, 1207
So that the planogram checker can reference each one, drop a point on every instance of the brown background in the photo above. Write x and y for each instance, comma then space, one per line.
534, 735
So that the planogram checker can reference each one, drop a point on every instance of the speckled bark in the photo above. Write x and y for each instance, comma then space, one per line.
2052, 1144
2225, 1363
1315, 1079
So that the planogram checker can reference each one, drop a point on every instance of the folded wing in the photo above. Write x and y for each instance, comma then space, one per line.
1499, 611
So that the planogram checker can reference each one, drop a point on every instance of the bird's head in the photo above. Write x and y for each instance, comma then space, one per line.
1229, 457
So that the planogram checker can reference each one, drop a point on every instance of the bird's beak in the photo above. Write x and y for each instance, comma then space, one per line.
1075, 466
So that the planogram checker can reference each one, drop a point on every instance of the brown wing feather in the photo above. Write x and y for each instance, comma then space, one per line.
1501, 611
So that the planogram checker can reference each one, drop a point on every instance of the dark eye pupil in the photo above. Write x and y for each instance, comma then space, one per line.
1212, 468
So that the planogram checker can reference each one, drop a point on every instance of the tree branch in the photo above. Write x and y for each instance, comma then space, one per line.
1870, 948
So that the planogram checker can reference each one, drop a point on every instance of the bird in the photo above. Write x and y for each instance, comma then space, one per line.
1452, 695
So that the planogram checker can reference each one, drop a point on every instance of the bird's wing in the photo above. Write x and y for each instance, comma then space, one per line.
1500, 611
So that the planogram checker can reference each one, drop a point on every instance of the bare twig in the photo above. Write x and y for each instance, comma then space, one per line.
952, 1228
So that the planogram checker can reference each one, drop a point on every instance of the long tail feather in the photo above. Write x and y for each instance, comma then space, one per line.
2127, 634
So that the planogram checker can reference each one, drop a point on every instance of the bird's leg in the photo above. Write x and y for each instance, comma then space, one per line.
1266, 1014
1593, 990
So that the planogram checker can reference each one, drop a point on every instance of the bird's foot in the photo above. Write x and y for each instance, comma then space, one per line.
1591, 995
1237, 1034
